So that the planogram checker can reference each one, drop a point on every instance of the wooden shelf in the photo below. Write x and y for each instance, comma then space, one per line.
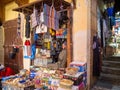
28, 8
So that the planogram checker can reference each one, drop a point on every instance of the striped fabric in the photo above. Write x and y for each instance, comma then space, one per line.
51, 17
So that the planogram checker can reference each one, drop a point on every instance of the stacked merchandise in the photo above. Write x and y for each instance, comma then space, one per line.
41, 78
82, 67
46, 23
77, 72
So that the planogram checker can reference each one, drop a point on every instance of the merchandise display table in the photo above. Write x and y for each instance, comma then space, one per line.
42, 78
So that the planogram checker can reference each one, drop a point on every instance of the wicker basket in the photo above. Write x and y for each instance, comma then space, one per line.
66, 84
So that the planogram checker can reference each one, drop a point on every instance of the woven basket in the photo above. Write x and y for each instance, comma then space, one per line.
66, 84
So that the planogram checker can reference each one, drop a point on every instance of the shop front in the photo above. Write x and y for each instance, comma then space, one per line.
53, 58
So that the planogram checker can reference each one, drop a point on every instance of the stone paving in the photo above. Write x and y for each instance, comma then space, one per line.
105, 86
99, 88
116, 88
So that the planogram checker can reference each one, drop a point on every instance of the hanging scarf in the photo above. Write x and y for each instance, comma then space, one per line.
27, 30
18, 24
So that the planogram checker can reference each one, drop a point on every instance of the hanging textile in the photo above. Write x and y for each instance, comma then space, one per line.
54, 21
110, 11
51, 17
27, 26
18, 25
46, 11
34, 22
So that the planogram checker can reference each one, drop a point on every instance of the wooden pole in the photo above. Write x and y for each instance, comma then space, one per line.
69, 37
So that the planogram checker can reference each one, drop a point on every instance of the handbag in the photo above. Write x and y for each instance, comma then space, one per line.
42, 28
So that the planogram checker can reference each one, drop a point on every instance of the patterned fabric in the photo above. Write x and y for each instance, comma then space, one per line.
19, 25
34, 22
51, 17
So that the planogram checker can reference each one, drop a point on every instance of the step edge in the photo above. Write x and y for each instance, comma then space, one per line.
112, 68
106, 61
110, 76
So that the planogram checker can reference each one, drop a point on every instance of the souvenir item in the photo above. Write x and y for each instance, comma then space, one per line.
27, 48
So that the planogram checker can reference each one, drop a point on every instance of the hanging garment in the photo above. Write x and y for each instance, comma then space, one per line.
27, 28
18, 25
46, 11
96, 57
33, 51
38, 30
110, 11
52, 17
27, 49
33, 16
56, 20
41, 29
42, 17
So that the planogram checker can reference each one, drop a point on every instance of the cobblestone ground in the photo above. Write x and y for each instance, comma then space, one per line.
99, 88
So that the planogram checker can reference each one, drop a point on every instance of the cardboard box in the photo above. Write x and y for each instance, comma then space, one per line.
78, 78
82, 66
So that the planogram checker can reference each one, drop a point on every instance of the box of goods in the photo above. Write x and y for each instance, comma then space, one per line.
71, 70
82, 66
59, 88
52, 66
77, 79
85, 78
42, 61
66, 84
79, 87
17, 84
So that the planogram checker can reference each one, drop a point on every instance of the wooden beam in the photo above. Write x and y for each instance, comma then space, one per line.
5, 1
39, 2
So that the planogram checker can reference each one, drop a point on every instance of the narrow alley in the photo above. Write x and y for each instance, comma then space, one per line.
110, 75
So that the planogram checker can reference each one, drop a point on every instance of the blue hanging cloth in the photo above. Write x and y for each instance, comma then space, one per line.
110, 11
33, 51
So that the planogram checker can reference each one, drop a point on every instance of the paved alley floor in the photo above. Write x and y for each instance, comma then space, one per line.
105, 86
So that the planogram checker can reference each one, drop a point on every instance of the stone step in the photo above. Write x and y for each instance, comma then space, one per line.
110, 70
111, 64
114, 79
112, 58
